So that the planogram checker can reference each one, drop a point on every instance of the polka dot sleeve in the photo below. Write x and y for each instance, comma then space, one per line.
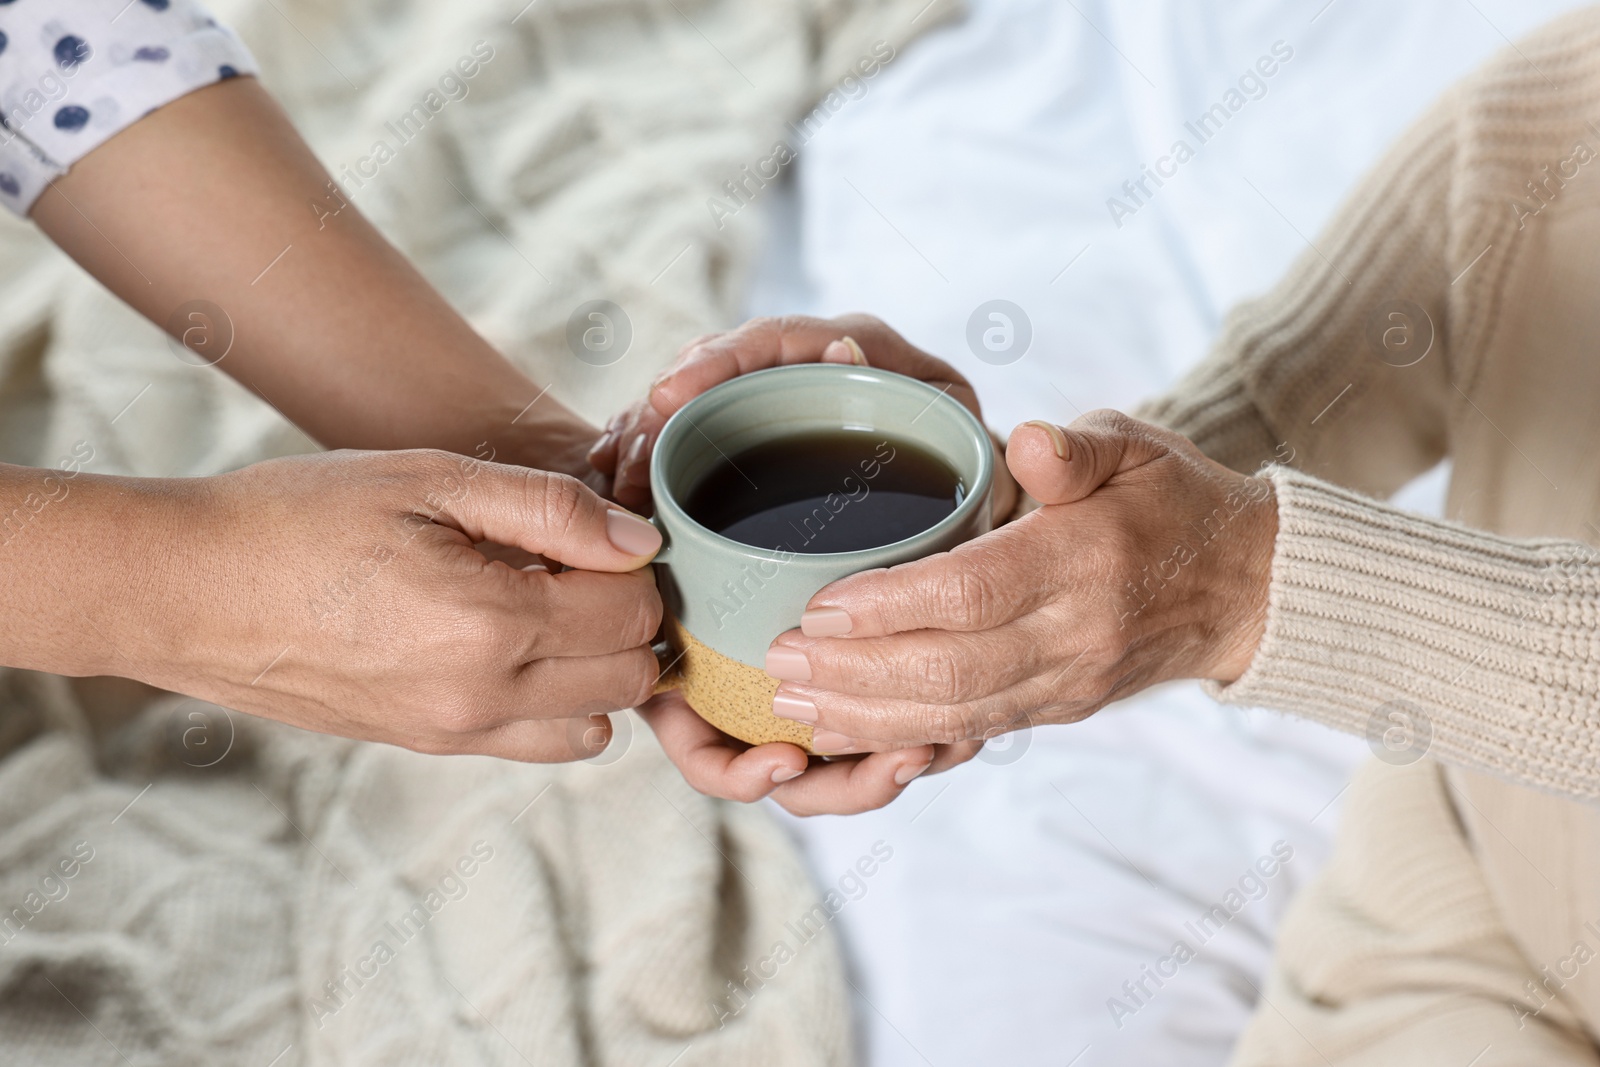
75, 72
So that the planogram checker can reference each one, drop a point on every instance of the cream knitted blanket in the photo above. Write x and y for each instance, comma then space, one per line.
196, 887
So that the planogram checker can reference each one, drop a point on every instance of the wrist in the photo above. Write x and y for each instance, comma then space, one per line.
1245, 581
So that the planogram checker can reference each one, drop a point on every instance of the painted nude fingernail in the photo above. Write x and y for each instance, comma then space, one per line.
830, 742
1057, 438
607, 439
788, 664
906, 774
858, 357
636, 451
793, 707
825, 622
631, 534
785, 774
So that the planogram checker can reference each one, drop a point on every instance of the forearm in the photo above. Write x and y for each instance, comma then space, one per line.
76, 565
1432, 638
215, 198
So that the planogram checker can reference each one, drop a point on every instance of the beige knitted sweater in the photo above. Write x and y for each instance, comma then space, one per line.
1450, 310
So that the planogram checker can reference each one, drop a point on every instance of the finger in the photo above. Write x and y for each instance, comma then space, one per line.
579, 613
1062, 464
603, 453
773, 342
927, 666
547, 514
980, 585
566, 687
893, 720
849, 787
539, 740
633, 468
711, 761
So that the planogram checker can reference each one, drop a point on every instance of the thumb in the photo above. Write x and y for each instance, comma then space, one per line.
551, 515
1061, 464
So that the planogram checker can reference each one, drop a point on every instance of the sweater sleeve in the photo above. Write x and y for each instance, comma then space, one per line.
1426, 636
1430, 637
1344, 367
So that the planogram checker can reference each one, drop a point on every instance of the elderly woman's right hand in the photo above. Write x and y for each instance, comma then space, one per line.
343, 593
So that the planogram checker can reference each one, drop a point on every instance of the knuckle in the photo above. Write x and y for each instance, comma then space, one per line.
939, 678
646, 618
555, 500
963, 598
947, 725
643, 674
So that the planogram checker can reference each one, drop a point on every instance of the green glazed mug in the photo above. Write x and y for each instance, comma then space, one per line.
725, 601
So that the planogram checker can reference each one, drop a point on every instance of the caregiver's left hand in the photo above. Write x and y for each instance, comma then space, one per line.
1148, 562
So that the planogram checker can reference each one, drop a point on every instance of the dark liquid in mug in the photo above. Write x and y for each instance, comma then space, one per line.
826, 491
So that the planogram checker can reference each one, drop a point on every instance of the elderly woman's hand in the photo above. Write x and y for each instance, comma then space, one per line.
623, 451
711, 761
1147, 562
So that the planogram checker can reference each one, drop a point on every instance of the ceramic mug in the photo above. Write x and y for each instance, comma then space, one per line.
725, 601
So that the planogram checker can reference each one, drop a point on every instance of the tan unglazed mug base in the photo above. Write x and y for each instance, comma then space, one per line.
734, 697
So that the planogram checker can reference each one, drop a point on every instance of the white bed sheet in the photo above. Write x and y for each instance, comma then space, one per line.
1025, 888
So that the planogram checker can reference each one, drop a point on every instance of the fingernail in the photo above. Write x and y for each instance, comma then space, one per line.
788, 664
825, 622
793, 707
658, 380
906, 774
631, 534
636, 450
785, 774
607, 439
832, 743
1057, 438
858, 357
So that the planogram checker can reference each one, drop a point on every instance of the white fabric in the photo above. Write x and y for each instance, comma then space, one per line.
978, 166
75, 72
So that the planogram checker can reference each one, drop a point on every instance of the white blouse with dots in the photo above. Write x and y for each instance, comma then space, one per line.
75, 72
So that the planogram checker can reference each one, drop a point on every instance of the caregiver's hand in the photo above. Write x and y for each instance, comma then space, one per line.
623, 451
1147, 563
720, 766
342, 593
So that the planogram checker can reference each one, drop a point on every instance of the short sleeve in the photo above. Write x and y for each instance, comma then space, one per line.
73, 73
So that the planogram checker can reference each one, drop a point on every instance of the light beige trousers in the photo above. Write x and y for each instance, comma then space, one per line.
1396, 956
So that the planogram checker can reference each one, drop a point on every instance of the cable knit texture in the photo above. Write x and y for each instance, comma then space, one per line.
245, 893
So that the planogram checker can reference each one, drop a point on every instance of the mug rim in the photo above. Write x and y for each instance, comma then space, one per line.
977, 494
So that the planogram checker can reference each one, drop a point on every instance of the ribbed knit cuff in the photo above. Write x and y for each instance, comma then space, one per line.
1429, 637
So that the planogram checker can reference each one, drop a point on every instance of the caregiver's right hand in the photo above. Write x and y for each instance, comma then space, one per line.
343, 593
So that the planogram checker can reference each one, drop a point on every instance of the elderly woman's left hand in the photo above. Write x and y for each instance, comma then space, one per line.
1147, 562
